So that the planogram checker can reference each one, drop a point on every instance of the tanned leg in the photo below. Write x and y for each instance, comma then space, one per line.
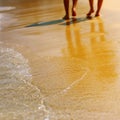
74, 7
99, 4
91, 7
66, 6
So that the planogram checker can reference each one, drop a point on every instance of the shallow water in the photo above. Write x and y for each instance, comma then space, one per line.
19, 98
51, 69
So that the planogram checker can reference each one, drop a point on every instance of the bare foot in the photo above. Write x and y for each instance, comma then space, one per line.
97, 14
90, 12
66, 17
73, 12
89, 17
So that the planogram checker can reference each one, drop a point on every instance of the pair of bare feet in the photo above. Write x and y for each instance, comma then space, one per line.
66, 17
92, 11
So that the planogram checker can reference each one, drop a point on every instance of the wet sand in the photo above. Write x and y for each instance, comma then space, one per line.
51, 69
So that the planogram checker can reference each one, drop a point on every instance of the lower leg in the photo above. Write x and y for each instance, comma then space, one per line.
91, 8
99, 7
66, 6
74, 7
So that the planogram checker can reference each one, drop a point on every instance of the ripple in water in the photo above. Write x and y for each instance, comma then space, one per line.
6, 8
19, 99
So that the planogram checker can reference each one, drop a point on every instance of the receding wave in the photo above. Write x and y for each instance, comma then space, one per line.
19, 99
13, 66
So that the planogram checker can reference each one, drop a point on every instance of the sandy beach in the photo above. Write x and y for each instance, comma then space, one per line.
55, 69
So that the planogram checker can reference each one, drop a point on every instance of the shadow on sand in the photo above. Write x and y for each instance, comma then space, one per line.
59, 21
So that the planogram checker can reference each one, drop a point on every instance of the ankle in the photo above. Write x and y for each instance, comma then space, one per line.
73, 11
90, 12
66, 17
97, 14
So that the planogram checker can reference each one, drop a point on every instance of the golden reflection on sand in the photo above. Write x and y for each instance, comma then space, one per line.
93, 46
96, 93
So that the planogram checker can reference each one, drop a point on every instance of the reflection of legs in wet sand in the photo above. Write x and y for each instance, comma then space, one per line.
101, 32
104, 69
77, 45
66, 6
75, 48
101, 29
99, 5
70, 46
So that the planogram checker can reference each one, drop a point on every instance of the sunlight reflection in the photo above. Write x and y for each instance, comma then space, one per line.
6, 8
